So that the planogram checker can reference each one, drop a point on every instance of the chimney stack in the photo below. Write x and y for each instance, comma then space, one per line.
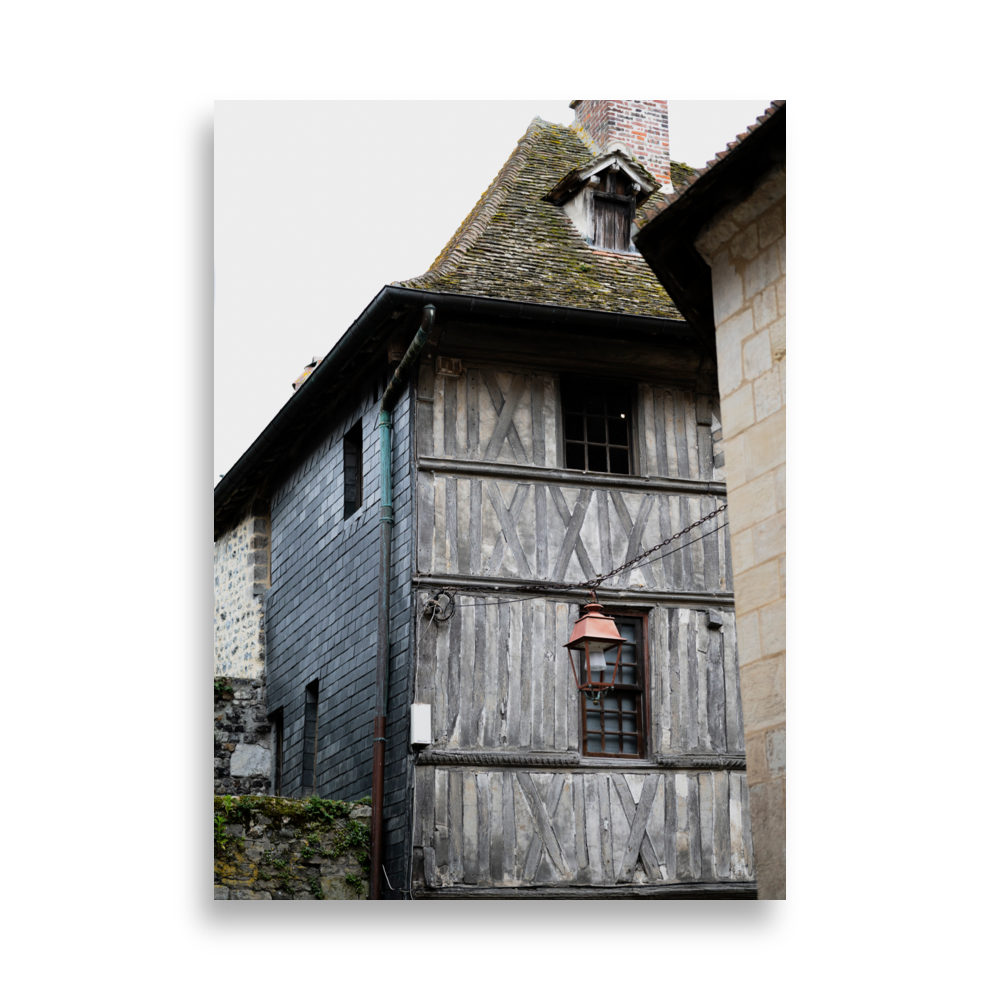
309, 369
640, 125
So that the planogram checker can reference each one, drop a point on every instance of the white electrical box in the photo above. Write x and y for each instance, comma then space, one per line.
420, 726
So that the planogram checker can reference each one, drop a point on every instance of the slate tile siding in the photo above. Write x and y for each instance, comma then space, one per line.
322, 618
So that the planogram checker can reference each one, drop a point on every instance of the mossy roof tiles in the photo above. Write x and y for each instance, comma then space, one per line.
515, 245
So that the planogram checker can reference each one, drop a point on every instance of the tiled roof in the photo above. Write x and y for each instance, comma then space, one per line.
515, 245
657, 204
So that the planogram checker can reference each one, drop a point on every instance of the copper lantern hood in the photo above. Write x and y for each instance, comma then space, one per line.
593, 635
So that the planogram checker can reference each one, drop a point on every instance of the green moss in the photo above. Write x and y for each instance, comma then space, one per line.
310, 818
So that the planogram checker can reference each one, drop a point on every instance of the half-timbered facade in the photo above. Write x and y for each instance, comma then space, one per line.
561, 420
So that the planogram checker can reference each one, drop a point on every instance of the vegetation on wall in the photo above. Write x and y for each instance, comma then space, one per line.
295, 832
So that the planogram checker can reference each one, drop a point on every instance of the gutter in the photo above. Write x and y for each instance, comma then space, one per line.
389, 398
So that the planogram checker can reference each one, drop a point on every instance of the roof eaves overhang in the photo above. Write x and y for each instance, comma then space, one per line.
667, 241
253, 473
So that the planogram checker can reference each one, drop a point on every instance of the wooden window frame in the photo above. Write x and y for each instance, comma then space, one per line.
571, 388
604, 200
642, 690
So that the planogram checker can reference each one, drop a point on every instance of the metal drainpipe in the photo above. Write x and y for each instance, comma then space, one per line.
384, 561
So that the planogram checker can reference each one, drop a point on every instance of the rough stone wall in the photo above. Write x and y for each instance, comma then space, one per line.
745, 246
273, 848
242, 575
242, 737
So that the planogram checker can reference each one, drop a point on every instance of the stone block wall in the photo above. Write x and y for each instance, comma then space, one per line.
242, 576
274, 848
242, 737
745, 247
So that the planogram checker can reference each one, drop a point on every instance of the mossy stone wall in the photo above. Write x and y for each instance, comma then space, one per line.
275, 848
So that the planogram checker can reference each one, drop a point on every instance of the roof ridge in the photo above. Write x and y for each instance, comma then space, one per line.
473, 225
698, 172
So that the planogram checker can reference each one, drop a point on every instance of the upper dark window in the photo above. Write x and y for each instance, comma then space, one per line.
309, 739
596, 421
614, 210
353, 487
615, 725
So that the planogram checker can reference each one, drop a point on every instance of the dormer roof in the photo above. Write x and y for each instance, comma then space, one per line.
517, 245
616, 157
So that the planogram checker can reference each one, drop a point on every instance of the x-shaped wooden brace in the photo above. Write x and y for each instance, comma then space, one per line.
508, 528
541, 814
638, 816
634, 533
571, 540
505, 429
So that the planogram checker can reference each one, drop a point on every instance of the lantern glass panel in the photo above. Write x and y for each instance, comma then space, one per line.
598, 661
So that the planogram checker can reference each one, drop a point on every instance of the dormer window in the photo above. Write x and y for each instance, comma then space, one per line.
601, 197
614, 209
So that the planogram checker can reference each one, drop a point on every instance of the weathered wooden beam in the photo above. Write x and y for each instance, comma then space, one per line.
489, 585
569, 477
669, 890
702, 762
671, 762
487, 758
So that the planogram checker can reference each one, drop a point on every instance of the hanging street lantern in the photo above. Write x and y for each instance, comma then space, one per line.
593, 636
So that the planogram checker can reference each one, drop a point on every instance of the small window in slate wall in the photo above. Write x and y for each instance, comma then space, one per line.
353, 485
309, 740
277, 748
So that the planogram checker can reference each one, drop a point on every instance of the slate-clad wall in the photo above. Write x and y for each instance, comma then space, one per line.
322, 618
497, 677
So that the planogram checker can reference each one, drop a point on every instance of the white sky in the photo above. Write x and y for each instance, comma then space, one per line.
320, 204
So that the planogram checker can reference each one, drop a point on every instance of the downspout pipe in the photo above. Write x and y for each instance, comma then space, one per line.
389, 398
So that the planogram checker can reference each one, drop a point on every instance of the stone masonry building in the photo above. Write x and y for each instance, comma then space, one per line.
718, 245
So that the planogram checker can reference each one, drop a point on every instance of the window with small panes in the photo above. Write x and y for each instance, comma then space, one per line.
615, 725
597, 427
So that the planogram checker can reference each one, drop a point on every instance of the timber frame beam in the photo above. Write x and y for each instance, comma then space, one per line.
673, 890
569, 477
490, 585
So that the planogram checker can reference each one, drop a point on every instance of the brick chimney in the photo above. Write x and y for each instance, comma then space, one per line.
640, 125
309, 369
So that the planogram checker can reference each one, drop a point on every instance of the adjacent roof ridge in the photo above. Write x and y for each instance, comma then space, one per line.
698, 173
473, 225
730, 146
